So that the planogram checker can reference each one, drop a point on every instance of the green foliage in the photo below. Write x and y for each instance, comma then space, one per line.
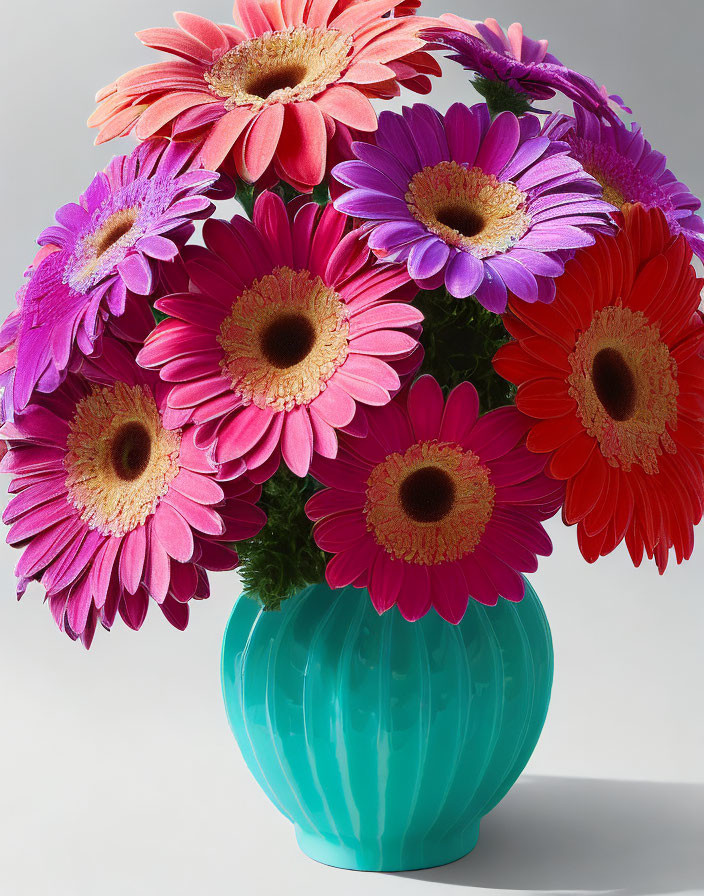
283, 558
245, 197
460, 338
501, 98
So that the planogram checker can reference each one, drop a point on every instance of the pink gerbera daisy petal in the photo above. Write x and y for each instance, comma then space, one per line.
109, 508
440, 518
275, 92
283, 345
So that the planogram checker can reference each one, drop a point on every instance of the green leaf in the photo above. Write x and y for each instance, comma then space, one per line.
284, 557
460, 338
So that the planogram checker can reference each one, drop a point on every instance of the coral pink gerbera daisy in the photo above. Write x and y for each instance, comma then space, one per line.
111, 508
274, 90
135, 214
612, 377
289, 329
435, 505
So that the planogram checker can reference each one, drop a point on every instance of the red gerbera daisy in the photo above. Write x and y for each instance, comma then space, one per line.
612, 373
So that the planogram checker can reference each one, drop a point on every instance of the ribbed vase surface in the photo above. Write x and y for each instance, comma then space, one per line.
385, 741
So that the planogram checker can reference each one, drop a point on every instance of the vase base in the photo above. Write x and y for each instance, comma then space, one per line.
384, 856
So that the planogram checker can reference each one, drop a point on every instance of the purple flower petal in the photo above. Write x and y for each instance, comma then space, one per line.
491, 292
463, 275
136, 273
427, 258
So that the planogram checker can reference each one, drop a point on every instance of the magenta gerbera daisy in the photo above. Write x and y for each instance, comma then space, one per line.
522, 64
111, 508
630, 170
479, 205
137, 212
288, 332
434, 506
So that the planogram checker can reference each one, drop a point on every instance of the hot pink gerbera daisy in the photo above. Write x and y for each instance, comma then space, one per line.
274, 90
288, 329
135, 214
112, 508
434, 506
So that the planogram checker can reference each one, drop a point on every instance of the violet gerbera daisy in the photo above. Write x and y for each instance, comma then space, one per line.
435, 505
288, 332
111, 508
137, 212
479, 205
521, 64
630, 170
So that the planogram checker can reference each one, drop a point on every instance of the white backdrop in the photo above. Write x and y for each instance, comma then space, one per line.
117, 769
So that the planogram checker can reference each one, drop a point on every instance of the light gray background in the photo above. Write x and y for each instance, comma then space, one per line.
118, 773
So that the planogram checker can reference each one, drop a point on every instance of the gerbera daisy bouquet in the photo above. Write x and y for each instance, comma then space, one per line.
426, 332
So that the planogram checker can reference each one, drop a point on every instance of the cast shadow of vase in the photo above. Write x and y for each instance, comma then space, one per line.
566, 835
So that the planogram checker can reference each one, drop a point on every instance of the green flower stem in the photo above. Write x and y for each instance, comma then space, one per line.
460, 338
501, 98
284, 557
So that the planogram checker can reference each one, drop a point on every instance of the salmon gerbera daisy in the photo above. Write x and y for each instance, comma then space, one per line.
111, 508
612, 377
435, 505
274, 90
479, 205
288, 332
104, 249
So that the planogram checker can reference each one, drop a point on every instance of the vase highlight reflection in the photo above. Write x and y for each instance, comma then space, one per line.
385, 741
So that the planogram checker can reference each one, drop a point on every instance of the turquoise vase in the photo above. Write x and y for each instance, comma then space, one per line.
385, 741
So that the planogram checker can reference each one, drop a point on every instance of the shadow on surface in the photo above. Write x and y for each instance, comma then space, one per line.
579, 835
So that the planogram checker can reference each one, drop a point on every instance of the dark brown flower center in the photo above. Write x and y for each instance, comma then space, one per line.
463, 220
131, 450
117, 226
614, 384
266, 83
427, 495
287, 340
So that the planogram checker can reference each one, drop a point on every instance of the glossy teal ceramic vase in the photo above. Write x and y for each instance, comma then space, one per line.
385, 741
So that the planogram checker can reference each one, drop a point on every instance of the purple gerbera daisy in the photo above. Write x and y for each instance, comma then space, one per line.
521, 63
481, 206
137, 212
630, 170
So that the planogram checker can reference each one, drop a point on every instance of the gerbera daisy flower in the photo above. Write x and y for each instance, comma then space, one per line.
273, 91
288, 331
630, 170
111, 508
9, 332
435, 505
612, 376
136, 213
523, 65
480, 205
